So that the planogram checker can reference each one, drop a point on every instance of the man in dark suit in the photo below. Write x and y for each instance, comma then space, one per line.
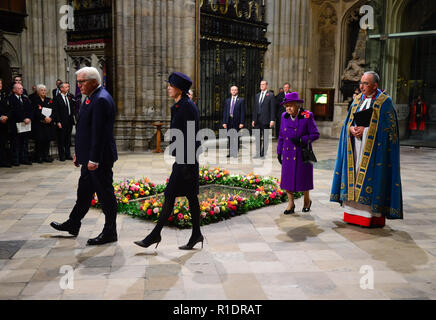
233, 118
264, 116
96, 152
5, 160
279, 108
64, 105
21, 111
57, 91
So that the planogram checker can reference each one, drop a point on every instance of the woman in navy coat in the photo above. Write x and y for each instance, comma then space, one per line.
184, 179
297, 130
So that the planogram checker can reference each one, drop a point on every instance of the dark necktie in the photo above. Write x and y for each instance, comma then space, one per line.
67, 104
262, 96
232, 108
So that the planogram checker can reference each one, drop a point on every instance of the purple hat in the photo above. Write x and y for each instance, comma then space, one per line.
292, 97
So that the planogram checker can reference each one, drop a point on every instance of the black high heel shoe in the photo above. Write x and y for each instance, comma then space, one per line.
191, 244
290, 211
148, 241
307, 209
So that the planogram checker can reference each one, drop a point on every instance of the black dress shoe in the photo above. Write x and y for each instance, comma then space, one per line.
49, 160
149, 240
62, 159
290, 211
102, 239
16, 164
27, 163
39, 161
307, 209
69, 158
192, 242
68, 226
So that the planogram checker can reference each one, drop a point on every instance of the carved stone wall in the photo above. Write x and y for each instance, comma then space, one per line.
43, 58
151, 40
288, 32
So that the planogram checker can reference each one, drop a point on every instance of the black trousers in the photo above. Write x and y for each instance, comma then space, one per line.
99, 181
5, 157
20, 148
64, 141
262, 139
42, 149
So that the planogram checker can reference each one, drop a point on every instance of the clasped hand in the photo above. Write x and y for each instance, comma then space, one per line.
357, 131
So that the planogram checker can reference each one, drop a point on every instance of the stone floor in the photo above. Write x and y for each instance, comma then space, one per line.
261, 255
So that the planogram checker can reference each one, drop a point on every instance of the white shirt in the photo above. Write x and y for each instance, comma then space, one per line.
262, 96
67, 102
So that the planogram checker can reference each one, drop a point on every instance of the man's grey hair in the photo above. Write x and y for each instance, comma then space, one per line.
375, 76
40, 86
90, 73
64, 84
264, 81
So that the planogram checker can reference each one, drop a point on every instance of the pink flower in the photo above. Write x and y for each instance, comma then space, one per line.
156, 210
216, 210
149, 212
211, 213
180, 216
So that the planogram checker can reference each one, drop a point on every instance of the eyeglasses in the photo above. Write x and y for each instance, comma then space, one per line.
82, 81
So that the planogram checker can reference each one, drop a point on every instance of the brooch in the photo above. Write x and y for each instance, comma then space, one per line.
305, 114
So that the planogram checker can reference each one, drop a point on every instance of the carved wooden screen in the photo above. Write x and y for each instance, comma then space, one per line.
232, 45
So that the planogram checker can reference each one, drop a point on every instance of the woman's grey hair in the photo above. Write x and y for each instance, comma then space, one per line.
375, 76
40, 86
91, 73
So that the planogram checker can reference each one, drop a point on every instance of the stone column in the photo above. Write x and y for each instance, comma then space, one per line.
42, 44
288, 32
151, 40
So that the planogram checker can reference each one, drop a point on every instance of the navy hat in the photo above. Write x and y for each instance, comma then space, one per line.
180, 80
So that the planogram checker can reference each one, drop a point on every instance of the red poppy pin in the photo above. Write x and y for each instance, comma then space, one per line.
267, 94
177, 106
51, 101
87, 101
305, 114
40, 107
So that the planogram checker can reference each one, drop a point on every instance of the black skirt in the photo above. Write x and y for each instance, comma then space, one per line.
184, 180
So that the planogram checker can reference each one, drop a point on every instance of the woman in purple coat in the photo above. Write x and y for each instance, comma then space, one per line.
298, 129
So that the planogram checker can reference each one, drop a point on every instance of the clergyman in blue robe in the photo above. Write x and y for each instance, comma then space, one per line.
367, 180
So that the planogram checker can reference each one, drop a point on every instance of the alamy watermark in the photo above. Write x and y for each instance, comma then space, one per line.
367, 21
67, 19
214, 150
66, 281
367, 280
